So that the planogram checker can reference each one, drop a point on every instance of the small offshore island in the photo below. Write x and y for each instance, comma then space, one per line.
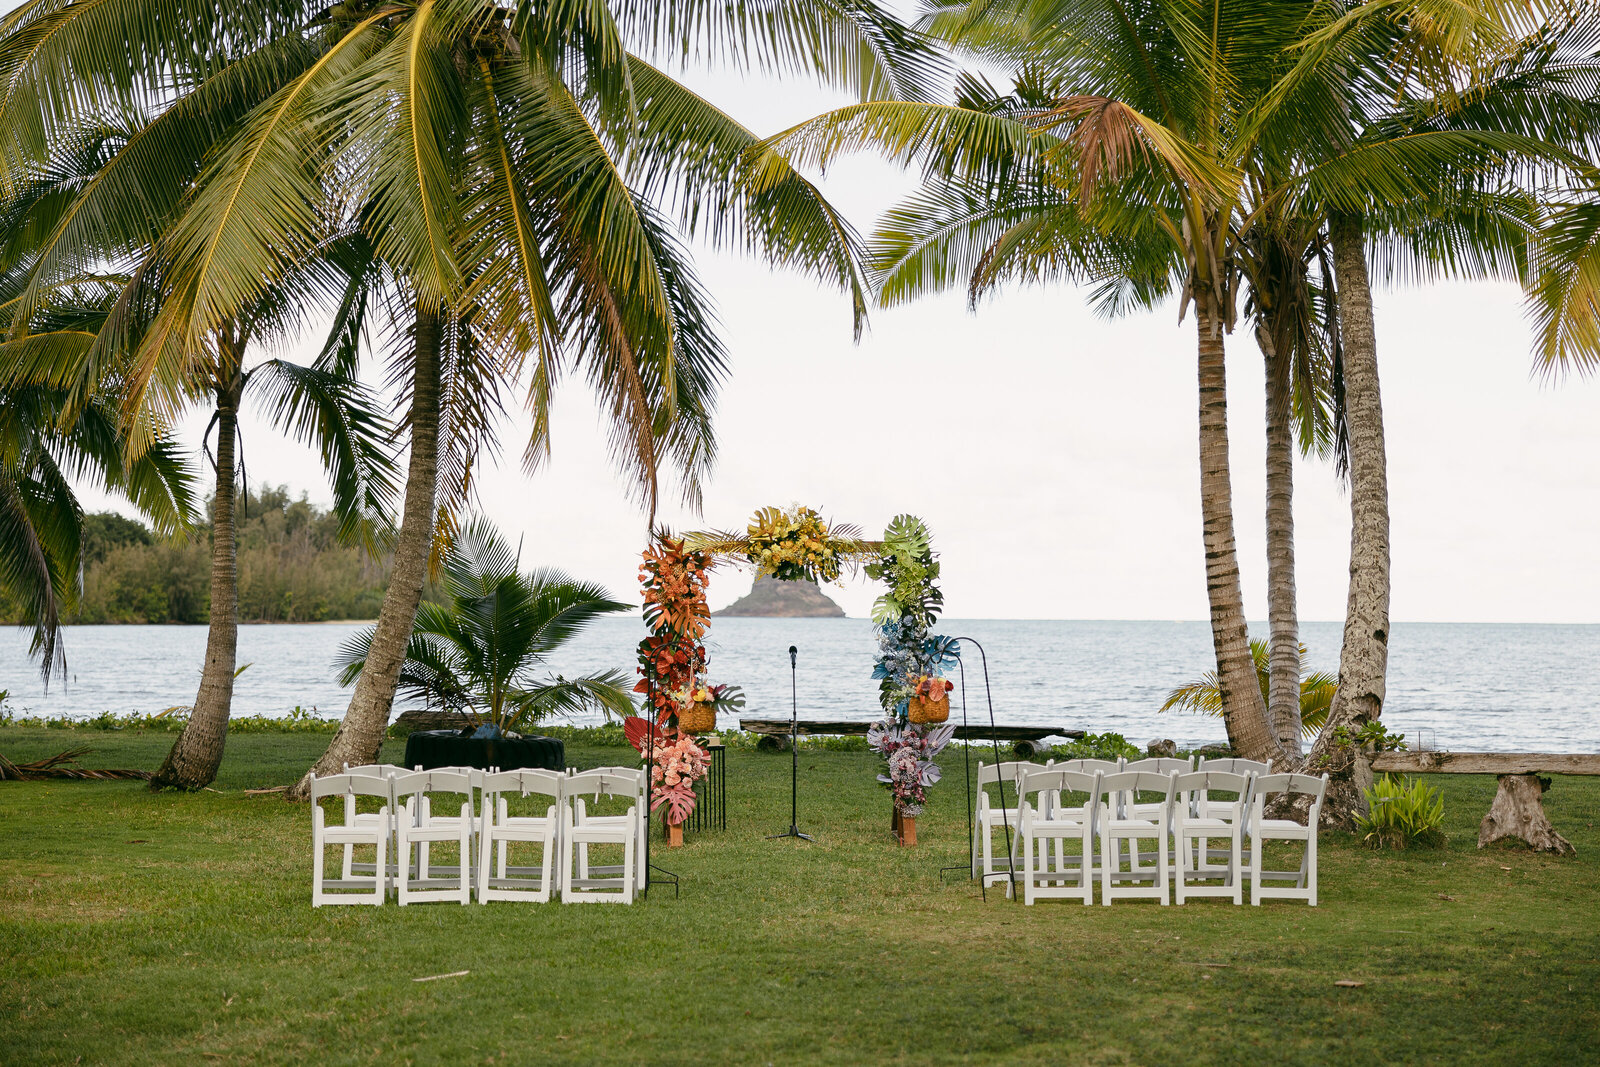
772, 599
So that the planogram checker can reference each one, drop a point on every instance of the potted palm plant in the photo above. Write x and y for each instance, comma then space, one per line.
483, 654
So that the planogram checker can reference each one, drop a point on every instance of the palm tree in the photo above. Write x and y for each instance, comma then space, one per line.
321, 404
1314, 691
1466, 104
324, 405
480, 653
478, 146
1123, 159
41, 521
49, 438
1145, 150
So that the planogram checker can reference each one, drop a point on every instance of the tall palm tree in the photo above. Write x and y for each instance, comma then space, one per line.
1123, 159
49, 439
480, 653
1132, 157
323, 404
505, 161
1486, 101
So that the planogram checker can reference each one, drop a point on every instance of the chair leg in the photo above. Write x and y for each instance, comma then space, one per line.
378, 877
316, 870
1027, 865
1108, 849
1311, 856
1236, 868
1161, 867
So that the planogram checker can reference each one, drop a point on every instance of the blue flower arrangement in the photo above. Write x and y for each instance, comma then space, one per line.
907, 650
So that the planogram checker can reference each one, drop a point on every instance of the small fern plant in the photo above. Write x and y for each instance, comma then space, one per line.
1402, 813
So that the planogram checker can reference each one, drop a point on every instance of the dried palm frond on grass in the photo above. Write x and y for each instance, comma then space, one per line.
61, 765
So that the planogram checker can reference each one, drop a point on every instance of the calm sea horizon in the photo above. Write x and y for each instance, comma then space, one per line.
1460, 686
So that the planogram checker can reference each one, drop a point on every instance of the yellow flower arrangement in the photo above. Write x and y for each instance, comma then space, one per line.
792, 544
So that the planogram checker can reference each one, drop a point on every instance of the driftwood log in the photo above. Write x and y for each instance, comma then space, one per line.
1025, 740
1518, 813
1518, 809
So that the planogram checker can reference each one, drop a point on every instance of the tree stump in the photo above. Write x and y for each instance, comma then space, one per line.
1518, 812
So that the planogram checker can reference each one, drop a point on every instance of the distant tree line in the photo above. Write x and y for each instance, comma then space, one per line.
292, 568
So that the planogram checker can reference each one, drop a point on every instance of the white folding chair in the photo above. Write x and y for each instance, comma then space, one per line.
382, 772
1129, 819
1201, 804
581, 883
996, 816
353, 831
581, 814
1154, 765
1198, 821
498, 879
417, 827
1263, 829
1072, 875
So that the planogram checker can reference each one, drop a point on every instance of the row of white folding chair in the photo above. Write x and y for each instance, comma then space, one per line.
1109, 819
992, 817
565, 832
999, 815
402, 829
407, 824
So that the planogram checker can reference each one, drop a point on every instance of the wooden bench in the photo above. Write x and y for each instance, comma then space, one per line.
1518, 808
1025, 740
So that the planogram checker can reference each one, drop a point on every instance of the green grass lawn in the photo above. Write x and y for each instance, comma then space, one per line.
137, 928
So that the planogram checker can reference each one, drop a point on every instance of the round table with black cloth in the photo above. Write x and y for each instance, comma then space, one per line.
458, 748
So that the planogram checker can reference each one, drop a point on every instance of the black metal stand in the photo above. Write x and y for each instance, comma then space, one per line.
972, 859
650, 869
794, 755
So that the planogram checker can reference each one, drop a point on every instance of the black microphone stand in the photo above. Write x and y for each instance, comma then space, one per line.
794, 754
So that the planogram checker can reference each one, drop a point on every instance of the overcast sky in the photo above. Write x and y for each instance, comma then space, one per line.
1055, 455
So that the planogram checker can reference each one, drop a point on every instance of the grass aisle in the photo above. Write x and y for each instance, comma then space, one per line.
154, 929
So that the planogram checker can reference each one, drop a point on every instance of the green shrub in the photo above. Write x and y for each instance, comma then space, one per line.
1098, 746
1402, 813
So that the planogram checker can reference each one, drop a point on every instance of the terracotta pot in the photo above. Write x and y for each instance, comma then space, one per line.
925, 710
673, 832
908, 831
699, 718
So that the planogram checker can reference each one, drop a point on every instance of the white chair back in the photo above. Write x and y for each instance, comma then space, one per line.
1235, 766
1090, 766
1160, 765
1057, 779
349, 785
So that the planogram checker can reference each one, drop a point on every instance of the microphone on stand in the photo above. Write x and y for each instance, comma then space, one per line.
794, 752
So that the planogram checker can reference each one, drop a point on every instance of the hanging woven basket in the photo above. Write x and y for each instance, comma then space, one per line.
698, 718
924, 710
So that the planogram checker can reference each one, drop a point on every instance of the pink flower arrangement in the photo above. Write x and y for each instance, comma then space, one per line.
678, 765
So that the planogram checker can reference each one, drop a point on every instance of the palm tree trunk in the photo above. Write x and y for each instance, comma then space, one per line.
361, 733
1283, 617
197, 753
1364, 659
1243, 710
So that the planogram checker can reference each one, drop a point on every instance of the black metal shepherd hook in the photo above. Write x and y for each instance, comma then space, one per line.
972, 841
650, 869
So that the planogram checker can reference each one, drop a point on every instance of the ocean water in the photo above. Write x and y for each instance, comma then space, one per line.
1461, 686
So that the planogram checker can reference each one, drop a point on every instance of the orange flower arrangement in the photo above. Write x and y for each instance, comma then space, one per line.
672, 660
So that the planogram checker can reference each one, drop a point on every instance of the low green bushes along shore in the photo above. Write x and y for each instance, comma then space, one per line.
143, 928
